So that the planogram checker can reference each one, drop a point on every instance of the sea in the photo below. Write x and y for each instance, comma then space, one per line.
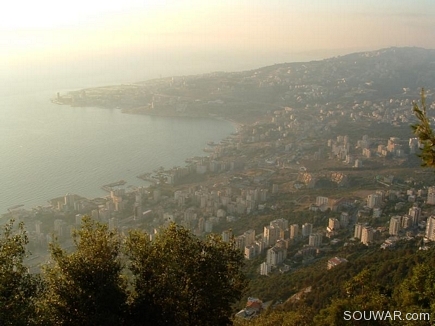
48, 150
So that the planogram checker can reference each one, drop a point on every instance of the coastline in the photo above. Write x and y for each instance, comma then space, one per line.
25, 205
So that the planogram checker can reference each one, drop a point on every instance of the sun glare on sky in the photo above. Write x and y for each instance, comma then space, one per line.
38, 31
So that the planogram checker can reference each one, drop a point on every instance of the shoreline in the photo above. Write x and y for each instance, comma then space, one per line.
47, 203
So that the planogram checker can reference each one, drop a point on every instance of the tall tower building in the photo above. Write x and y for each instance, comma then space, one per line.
315, 240
227, 235
430, 228
415, 213
333, 224
344, 219
270, 234
395, 223
249, 237
307, 229
431, 196
294, 231
373, 200
367, 235
358, 230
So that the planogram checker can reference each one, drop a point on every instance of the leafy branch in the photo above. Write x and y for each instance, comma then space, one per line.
424, 133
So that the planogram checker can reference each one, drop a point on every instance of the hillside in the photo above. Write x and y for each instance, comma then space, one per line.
244, 96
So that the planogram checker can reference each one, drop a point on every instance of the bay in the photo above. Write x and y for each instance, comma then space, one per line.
47, 150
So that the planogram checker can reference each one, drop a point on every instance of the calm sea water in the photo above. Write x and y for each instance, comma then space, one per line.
48, 150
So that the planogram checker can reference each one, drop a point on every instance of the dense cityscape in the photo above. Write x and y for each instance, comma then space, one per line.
322, 170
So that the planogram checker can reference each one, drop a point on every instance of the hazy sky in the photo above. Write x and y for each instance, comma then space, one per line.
228, 35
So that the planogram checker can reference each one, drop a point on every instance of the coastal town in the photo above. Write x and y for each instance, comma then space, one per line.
319, 163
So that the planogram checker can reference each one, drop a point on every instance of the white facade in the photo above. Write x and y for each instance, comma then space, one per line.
431, 196
249, 237
276, 256
294, 231
415, 213
367, 235
358, 230
333, 224
430, 228
265, 269
373, 200
315, 240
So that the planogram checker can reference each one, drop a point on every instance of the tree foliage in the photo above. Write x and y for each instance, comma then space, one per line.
86, 287
182, 280
17, 287
111, 279
423, 130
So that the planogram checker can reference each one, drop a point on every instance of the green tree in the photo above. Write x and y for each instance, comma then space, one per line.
17, 287
416, 294
360, 295
86, 287
423, 130
182, 280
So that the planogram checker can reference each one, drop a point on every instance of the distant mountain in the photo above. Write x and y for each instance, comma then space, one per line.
387, 71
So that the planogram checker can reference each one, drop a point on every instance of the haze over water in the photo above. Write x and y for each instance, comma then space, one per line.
48, 150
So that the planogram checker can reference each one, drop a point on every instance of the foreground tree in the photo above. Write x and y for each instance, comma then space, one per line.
17, 287
416, 294
423, 130
359, 294
86, 287
182, 280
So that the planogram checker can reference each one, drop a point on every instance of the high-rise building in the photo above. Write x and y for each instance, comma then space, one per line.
249, 237
315, 240
294, 231
201, 224
395, 223
373, 200
358, 230
69, 200
431, 196
276, 256
282, 223
227, 235
239, 242
333, 224
250, 252
271, 234
320, 200
208, 226
367, 235
344, 219
307, 229
415, 213
265, 269
406, 221
430, 228
79, 218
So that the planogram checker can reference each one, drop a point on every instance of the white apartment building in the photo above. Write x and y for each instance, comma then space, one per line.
367, 235
315, 240
430, 228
